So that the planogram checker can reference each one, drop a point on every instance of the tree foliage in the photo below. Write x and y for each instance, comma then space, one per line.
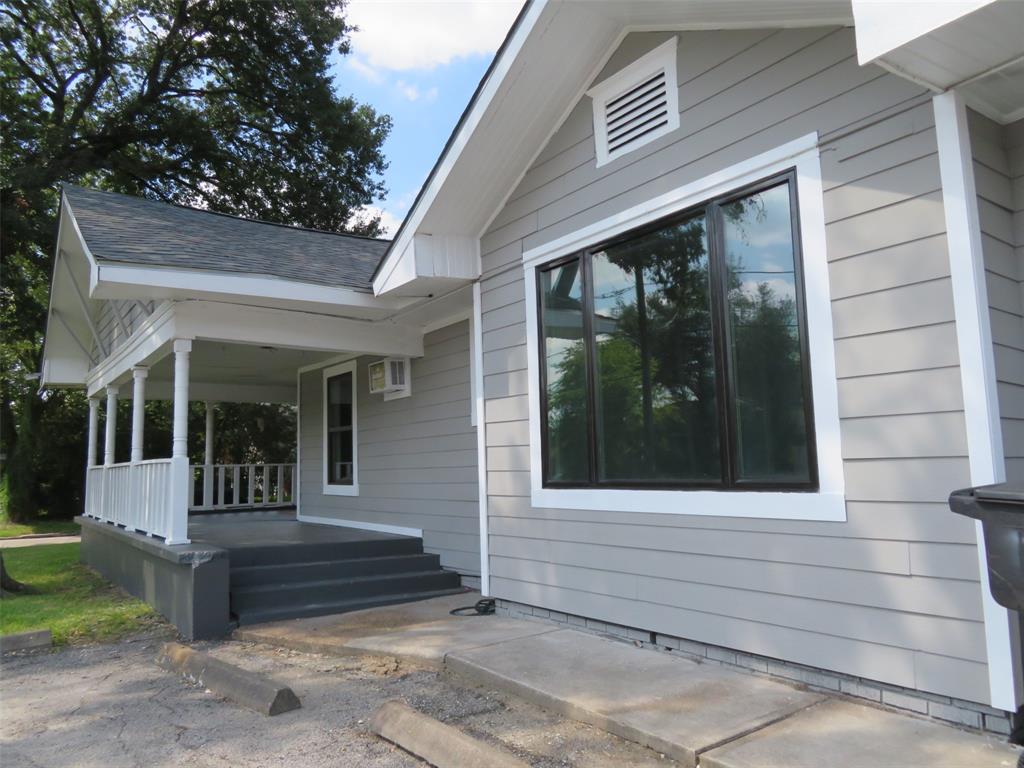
222, 104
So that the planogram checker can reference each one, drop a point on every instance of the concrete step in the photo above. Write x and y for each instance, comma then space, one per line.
293, 553
324, 570
269, 596
306, 610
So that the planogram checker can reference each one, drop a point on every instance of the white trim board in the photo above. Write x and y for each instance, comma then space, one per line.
977, 366
477, 376
330, 489
378, 527
828, 503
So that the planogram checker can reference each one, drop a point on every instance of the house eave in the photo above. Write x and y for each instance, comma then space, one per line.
518, 107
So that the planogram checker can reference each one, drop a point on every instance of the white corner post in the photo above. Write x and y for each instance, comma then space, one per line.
208, 457
94, 423
139, 374
178, 533
977, 368
110, 419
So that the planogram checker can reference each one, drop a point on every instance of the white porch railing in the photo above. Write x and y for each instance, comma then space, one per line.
229, 486
136, 495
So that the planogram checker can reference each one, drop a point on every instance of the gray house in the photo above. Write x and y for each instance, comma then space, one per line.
701, 315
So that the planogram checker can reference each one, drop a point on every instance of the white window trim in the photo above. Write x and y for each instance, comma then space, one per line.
662, 57
329, 488
829, 502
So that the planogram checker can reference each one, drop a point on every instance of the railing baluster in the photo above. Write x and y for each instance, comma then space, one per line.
236, 479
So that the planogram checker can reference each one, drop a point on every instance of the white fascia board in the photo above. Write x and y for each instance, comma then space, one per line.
118, 281
242, 324
826, 504
67, 227
458, 144
882, 26
977, 370
64, 372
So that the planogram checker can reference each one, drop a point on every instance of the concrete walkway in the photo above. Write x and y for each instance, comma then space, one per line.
35, 541
697, 714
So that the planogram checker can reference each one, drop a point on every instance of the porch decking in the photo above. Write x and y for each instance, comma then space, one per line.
281, 568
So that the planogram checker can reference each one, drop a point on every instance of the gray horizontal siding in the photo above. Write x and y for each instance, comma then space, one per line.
891, 594
998, 153
417, 455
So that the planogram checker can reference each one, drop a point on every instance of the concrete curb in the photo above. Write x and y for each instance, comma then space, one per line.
25, 536
26, 641
249, 689
438, 744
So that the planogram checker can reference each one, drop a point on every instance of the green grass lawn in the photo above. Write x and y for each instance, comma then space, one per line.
70, 600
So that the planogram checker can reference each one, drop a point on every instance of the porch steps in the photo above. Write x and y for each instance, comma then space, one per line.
272, 583
342, 606
327, 570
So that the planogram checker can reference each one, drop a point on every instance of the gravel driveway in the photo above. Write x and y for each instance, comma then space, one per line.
110, 706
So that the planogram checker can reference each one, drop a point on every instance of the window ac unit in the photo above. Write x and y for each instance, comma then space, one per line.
390, 377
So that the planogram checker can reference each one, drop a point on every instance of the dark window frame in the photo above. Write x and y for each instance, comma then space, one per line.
329, 430
725, 387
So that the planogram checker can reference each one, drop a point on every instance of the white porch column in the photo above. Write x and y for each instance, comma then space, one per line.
94, 423
111, 426
178, 533
208, 458
139, 374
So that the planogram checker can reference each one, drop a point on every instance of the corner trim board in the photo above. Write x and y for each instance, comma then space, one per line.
977, 366
477, 374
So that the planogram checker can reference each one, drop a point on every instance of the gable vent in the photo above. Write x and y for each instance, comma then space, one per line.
637, 104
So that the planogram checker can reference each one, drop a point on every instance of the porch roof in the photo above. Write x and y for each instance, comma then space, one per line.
133, 230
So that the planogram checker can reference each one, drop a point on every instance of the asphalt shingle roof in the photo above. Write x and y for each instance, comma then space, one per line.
134, 230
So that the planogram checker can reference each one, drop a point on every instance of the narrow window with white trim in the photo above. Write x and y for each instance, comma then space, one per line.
340, 446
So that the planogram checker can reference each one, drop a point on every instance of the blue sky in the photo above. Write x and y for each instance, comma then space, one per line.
418, 61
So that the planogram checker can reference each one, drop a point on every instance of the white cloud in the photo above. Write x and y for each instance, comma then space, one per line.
412, 93
424, 34
364, 69
389, 221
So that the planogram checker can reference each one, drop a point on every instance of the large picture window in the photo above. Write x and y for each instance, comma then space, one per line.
340, 430
676, 355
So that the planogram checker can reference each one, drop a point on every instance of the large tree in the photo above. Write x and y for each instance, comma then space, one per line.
224, 104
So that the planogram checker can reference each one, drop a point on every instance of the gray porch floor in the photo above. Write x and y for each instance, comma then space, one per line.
240, 530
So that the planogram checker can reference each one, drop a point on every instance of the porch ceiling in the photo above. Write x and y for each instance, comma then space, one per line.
225, 372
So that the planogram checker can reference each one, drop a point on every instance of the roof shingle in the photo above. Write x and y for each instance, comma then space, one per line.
134, 230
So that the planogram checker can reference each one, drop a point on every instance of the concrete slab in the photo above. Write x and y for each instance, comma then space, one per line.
330, 634
838, 733
423, 631
672, 705
434, 641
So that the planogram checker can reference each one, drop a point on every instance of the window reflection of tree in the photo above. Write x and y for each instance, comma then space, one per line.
655, 387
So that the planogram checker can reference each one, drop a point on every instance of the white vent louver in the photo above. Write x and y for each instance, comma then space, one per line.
637, 104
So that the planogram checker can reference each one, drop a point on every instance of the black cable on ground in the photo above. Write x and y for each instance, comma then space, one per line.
482, 607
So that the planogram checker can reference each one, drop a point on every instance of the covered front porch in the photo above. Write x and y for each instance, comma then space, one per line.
217, 353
